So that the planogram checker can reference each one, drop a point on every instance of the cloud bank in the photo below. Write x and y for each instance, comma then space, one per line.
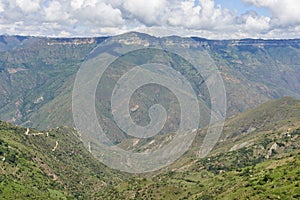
204, 18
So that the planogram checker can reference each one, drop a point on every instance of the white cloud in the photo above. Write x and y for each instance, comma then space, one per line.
99, 13
285, 12
76, 4
55, 12
1, 7
159, 17
28, 6
147, 12
254, 23
65, 34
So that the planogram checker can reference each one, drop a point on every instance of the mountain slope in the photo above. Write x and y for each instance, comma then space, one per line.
275, 118
262, 162
257, 157
35, 71
272, 179
37, 74
49, 165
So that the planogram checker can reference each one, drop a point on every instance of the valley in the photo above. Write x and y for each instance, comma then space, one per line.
44, 156
37, 74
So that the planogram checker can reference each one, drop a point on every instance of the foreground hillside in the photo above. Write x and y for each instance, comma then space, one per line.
49, 165
257, 157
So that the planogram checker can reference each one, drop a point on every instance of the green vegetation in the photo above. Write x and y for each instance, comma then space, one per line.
232, 175
55, 165
257, 156
32, 168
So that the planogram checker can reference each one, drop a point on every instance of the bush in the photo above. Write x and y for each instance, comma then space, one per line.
11, 158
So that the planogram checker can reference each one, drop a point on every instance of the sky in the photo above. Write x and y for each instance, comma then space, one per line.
212, 19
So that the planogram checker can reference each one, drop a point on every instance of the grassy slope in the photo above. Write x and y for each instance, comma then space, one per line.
35, 169
241, 178
249, 172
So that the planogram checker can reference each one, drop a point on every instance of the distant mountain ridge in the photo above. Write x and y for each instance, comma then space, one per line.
8, 42
37, 73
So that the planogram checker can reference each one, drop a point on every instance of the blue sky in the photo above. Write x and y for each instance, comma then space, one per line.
203, 18
242, 7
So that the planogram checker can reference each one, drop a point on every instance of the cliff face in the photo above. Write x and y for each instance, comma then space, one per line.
250, 42
135, 38
72, 41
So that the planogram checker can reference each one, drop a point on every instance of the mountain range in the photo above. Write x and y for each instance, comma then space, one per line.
44, 156
38, 73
